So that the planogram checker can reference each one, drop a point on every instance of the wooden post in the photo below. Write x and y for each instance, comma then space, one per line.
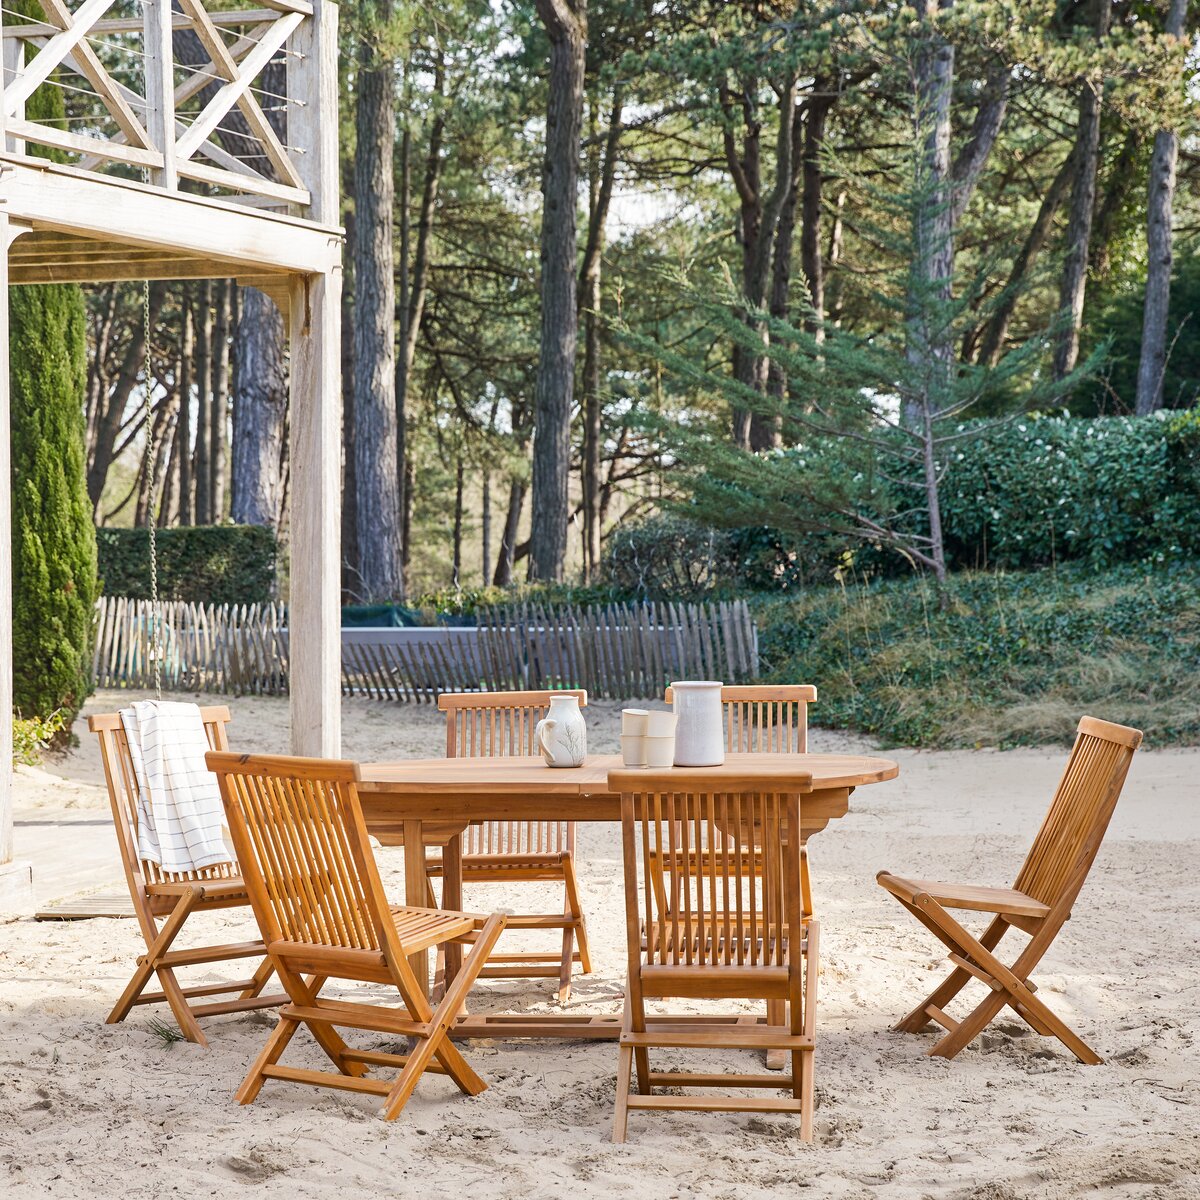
160, 89
315, 324
16, 881
314, 621
13, 61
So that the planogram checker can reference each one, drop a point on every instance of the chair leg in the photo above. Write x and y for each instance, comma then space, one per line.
270, 1054
438, 1041
148, 962
777, 1014
259, 979
621, 1115
954, 983
572, 882
624, 1073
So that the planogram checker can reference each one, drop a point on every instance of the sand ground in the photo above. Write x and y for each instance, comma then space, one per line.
90, 1110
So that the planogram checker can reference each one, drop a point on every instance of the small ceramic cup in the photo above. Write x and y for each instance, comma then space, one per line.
660, 724
633, 721
660, 751
633, 749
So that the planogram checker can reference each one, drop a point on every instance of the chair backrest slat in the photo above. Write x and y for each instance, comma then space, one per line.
501, 725
303, 844
718, 875
1070, 836
765, 718
123, 793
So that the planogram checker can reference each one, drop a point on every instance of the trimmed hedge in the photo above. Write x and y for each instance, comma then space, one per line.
1105, 490
203, 564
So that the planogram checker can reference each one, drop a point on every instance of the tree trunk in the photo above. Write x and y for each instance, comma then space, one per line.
485, 527
1153, 363
219, 412
566, 26
816, 112
183, 430
260, 409
107, 425
456, 568
996, 332
375, 447
155, 467
930, 348
1083, 201
413, 288
508, 540
202, 373
601, 175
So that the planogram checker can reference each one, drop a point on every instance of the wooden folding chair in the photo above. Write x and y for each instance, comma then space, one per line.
1037, 904
314, 884
713, 911
769, 719
498, 724
164, 901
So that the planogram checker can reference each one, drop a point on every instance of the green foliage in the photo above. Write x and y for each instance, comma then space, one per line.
53, 544
1011, 659
1117, 324
1107, 490
205, 564
33, 735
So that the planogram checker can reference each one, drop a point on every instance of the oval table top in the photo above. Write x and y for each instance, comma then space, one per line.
521, 775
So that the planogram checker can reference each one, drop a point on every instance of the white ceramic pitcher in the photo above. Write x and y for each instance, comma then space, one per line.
561, 735
699, 732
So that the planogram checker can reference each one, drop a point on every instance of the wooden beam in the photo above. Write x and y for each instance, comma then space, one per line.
86, 62
312, 81
314, 607
237, 88
235, 19
81, 143
239, 182
69, 35
159, 72
65, 199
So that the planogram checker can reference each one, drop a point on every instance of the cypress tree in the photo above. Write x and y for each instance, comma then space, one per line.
54, 539
53, 534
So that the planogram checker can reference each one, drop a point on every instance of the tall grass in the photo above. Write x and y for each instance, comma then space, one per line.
1007, 659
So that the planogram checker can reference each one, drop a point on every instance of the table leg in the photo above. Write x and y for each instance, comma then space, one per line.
415, 891
452, 899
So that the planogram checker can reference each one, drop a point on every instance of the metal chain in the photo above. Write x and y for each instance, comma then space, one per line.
151, 516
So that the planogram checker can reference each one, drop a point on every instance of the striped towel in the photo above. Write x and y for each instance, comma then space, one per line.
179, 806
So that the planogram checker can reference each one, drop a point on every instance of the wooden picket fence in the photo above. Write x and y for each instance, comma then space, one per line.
616, 651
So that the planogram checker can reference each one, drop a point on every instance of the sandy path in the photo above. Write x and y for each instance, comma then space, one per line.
88, 1110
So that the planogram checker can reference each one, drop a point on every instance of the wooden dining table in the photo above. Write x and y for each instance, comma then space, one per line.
421, 802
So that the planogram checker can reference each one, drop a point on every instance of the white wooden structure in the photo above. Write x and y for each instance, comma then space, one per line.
184, 162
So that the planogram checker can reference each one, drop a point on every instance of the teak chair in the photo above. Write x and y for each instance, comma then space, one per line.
771, 719
713, 911
1038, 902
314, 884
498, 724
163, 901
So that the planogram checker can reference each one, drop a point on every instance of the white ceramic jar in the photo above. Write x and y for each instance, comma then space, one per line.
561, 735
699, 731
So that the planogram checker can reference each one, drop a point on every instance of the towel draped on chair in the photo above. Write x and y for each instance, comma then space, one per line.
179, 808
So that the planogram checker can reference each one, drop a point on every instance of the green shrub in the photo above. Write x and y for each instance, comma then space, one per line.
1010, 659
1105, 489
53, 543
33, 735
204, 564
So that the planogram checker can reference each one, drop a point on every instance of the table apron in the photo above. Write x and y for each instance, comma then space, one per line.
385, 812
